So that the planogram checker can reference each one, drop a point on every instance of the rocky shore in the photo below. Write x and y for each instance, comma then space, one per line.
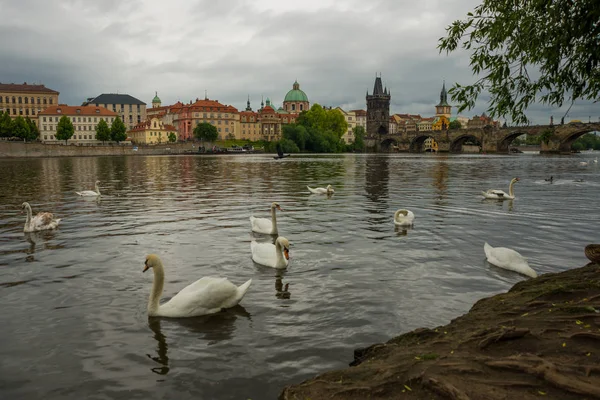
541, 339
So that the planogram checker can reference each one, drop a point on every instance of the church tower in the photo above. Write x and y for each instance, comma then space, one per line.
443, 108
156, 101
378, 110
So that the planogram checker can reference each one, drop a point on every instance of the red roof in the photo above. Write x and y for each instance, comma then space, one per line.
360, 113
142, 126
21, 88
63, 109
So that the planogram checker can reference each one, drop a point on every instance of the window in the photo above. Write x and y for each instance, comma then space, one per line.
130, 108
226, 129
51, 100
219, 122
20, 111
95, 119
32, 100
44, 119
301, 107
27, 111
138, 108
293, 107
219, 129
139, 118
14, 100
20, 100
6, 99
26, 100
45, 128
45, 101
38, 100
45, 137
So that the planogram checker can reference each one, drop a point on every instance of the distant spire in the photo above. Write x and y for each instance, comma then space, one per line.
205, 94
248, 108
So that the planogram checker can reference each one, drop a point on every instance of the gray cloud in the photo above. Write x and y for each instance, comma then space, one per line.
238, 48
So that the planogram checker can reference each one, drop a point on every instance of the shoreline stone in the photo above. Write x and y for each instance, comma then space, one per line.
541, 339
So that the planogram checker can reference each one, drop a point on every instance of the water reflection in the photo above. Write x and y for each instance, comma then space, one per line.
440, 181
162, 358
377, 176
402, 230
281, 292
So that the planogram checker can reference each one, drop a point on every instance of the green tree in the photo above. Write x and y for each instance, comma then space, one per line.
359, 138
20, 128
118, 130
34, 132
528, 51
172, 137
64, 129
455, 124
206, 131
297, 134
5, 125
103, 132
288, 146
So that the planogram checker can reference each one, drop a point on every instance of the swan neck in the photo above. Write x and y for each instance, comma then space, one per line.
510, 188
279, 253
157, 288
274, 219
97, 189
28, 211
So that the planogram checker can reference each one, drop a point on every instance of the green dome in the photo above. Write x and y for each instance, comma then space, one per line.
156, 99
296, 94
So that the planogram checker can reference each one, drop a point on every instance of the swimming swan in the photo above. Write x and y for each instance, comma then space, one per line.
328, 190
207, 295
499, 194
265, 225
508, 259
90, 192
40, 222
271, 255
404, 217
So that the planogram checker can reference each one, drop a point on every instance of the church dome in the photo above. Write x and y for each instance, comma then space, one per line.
156, 99
296, 94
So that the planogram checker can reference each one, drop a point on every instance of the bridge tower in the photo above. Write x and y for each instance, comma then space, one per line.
443, 108
378, 110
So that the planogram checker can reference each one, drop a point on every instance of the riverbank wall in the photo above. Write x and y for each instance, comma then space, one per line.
23, 150
541, 339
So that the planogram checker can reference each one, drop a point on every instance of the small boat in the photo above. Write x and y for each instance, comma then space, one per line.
280, 153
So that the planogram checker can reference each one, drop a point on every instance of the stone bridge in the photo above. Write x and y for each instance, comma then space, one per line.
555, 138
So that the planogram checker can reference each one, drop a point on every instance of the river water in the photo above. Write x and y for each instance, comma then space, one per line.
74, 321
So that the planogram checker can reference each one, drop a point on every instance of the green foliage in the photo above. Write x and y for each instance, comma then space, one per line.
546, 135
34, 132
64, 129
359, 138
528, 51
318, 130
102, 131
586, 142
288, 146
118, 131
20, 128
5, 125
172, 137
206, 131
455, 124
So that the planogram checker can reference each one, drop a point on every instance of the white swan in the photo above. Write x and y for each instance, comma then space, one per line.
596, 160
404, 217
265, 225
327, 190
583, 164
207, 295
90, 192
500, 194
508, 259
271, 255
40, 222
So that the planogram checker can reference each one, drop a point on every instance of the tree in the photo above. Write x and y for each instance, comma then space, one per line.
103, 132
34, 132
206, 131
20, 128
64, 129
172, 137
118, 131
528, 51
455, 124
359, 138
5, 125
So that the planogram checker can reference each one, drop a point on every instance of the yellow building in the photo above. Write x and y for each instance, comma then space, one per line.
441, 122
351, 120
84, 120
152, 131
430, 145
26, 100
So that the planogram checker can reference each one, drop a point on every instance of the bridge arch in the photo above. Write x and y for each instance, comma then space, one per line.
567, 142
504, 144
416, 145
387, 145
457, 143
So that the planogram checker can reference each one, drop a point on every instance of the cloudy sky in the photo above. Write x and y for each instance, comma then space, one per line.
236, 48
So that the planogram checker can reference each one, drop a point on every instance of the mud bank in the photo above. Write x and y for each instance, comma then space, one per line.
541, 339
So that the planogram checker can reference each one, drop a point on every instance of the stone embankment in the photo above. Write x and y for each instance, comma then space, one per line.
540, 340
20, 149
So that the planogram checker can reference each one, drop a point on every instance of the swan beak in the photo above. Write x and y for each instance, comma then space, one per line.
279, 208
286, 253
146, 267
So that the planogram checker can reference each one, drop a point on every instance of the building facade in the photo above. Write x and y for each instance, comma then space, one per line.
26, 100
131, 110
296, 100
152, 131
225, 118
443, 108
378, 110
84, 119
